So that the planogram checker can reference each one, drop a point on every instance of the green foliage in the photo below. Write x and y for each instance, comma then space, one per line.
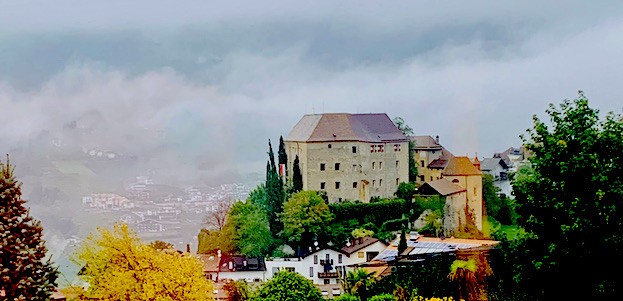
571, 203
346, 297
250, 229
258, 197
463, 275
161, 245
288, 286
25, 273
403, 126
401, 294
413, 173
406, 191
433, 223
359, 283
275, 193
361, 232
383, 297
210, 241
237, 290
297, 177
304, 216
283, 156
402, 244
501, 208
375, 213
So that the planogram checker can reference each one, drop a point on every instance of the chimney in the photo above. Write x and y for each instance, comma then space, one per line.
187, 248
437, 139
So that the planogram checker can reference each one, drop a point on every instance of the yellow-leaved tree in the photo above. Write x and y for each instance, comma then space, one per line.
117, 265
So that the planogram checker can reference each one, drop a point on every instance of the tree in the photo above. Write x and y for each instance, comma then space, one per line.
215, 219
275, 194
25, 274
161, 245
403, 126
463, 275
251, 230
571, 203
383, 297
304, 215
117, 265
288, 286
359, 283
406, 191
237, 290
283, 156
402, 244
297, 177
211, 241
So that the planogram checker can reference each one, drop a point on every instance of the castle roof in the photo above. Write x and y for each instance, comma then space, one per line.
461, 166
346, 127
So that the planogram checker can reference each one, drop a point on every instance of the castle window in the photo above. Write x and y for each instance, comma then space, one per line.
322, 185
455, 181
329, 145
421, 178
380, 165
322, 166
337, 166
422, 163
397, 164
337, 185
381, 183
397, 181
354, 184
372, 148
373, 183
354, 149
373, 164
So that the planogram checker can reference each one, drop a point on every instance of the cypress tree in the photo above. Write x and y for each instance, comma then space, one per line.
402, 244
274, 193
283, 157
24, 272
297, 177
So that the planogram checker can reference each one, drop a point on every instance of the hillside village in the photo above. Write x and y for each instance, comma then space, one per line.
360, 160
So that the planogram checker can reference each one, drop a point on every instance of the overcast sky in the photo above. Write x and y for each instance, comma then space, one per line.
217, 80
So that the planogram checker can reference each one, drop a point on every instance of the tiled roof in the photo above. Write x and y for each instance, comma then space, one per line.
210, 262
424, 142
461, 166
442, 161
490, 163
442, 186
359, 244
345, 127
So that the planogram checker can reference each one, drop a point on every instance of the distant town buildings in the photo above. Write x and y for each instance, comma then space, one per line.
349, 156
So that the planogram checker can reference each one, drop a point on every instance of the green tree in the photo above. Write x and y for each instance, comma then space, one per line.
571, 203
406, 191
25, 274
161, 245
346, 297
297, 177
250, 228
359, 283
288, 286
490, 195
211, 241
402, 244
117, 265
304, 216
275, 193
283, 156
403, 126
237, 290
383, 297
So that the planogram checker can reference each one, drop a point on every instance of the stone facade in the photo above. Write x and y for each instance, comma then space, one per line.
349, 166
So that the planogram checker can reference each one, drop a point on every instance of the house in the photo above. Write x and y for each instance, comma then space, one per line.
327, 266
430, 157
496, 167
233, 267
461, 188
349, 156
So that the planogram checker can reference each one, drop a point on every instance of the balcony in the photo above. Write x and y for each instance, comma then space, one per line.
328, 275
